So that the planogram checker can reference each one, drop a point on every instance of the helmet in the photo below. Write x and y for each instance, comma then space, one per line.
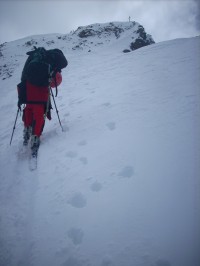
58, 78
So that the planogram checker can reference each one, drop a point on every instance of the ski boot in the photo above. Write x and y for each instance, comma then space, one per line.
26, 135
35, 143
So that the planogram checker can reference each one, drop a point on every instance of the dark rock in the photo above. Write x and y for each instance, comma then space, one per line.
86, 33
109, 29
114, 29
29, 43
139, 38
142, 40
138, 43
126, 51
142, 32
50, 42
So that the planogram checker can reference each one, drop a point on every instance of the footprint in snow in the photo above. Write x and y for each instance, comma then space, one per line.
83, 160
96, 186
126, 172
77, 200
107, 104
76, 235
82, 143
66, 114
111, 125
65, 128
71, 154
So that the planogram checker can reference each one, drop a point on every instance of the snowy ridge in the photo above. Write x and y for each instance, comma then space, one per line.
110, 32
120, 186
127, 35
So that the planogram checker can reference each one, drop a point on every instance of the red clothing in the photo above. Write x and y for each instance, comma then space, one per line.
34, 116
36, 94
37, 97
35, 109
56, 81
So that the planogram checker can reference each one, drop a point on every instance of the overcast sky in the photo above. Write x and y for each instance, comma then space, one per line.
163, 19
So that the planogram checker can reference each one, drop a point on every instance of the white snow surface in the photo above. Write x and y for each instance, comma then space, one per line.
120, 186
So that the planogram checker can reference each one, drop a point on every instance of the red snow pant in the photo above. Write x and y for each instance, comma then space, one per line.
34, 116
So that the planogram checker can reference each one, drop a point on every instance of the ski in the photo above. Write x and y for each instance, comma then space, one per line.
35, 143
32, 163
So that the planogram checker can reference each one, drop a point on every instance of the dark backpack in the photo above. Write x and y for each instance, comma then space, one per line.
43, 64
56, 59
39, 67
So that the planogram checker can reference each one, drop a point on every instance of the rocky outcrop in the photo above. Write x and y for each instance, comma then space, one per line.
143, 39
132, 32
94, 30
119, 36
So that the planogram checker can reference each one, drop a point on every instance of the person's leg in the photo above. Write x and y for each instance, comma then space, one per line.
28, 115
38, 119
38, 123
28, 120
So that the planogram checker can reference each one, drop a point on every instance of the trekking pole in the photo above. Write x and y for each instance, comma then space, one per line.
14, 126
49, 95
56, 109
48, 103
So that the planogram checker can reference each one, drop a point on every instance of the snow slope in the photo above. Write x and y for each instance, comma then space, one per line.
120, 186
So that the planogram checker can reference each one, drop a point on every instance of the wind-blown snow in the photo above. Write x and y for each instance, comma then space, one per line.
120, 186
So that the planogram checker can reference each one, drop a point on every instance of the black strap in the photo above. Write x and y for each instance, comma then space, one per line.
36, 102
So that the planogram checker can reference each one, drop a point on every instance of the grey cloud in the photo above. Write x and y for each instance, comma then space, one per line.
197, 15
163, 19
